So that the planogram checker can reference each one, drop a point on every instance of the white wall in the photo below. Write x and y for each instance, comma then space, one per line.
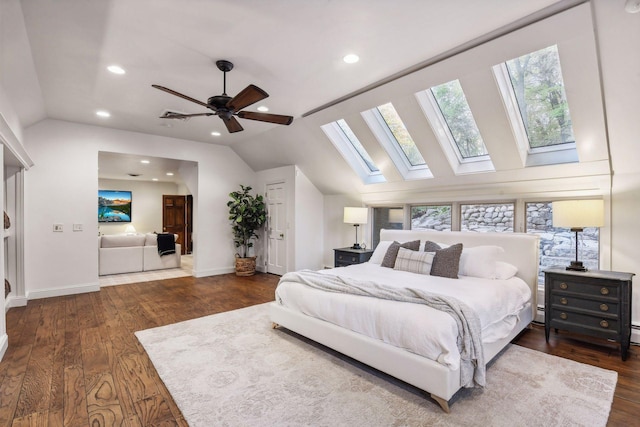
62, 187
146, 204
308, 225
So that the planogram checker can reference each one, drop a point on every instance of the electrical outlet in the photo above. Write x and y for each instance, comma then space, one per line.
58, 228
77, 227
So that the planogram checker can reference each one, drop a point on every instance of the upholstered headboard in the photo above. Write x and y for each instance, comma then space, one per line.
520, 249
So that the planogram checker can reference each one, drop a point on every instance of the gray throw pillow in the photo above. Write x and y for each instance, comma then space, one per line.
446, 262
430, 246
389, 259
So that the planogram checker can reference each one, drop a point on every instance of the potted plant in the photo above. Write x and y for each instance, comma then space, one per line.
247, 214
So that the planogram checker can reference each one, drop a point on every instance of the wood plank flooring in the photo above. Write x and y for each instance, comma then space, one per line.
74, 361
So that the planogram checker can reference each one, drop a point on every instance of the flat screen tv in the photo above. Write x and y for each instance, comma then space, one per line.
114, 206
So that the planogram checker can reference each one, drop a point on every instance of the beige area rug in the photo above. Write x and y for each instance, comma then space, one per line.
185, 270
232, 369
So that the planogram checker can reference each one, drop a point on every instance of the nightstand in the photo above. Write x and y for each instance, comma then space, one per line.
349, 256
596, 303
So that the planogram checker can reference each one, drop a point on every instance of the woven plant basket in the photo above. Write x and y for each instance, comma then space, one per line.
245, 266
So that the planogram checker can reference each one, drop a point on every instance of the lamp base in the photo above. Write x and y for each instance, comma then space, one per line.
356, 246
576, 266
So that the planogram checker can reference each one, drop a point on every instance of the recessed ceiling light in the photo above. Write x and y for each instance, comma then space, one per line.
215, 133
263, 108
351, 58
102, 113
116, 69
154, 179
169, 173
146, 162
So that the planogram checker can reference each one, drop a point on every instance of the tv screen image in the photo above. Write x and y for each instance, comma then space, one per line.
114, 206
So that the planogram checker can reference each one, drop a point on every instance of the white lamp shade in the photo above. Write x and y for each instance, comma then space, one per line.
578, 213
355, 215
130, 229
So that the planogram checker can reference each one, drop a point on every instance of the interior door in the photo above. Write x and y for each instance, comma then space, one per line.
174, 218
276, 228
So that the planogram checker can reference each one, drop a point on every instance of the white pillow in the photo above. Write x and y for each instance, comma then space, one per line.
414, 261
505, 271
480, 261
380, 251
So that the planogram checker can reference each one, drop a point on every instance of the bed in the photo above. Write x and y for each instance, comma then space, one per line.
389, 345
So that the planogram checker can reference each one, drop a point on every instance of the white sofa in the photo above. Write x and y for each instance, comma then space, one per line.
124, 253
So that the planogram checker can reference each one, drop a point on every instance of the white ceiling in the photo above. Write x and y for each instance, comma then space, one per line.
131, 167
292, 49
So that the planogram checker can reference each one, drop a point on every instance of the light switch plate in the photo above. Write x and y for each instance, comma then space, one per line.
77, 227
59, 228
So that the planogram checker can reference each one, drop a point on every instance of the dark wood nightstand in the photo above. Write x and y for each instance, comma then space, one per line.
349, 256
596, 303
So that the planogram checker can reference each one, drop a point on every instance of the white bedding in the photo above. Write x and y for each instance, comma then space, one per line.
417, 328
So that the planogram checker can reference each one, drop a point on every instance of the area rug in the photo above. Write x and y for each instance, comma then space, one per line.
233, 369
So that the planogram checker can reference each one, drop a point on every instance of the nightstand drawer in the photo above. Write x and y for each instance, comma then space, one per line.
564, 318
591, 305
602, 289
349, 256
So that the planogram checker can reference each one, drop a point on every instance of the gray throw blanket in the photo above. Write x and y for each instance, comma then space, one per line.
472, 366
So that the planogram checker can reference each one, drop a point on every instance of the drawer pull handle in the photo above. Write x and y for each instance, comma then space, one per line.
604, 307
563, 285
604, 323
563, 301
563, 316
604, 291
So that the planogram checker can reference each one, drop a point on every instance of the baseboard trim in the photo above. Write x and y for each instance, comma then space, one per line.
213, 272
12, 302
59, 292
635, 334
4, 344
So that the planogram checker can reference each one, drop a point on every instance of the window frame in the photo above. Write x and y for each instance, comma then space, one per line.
345, 147
388, 141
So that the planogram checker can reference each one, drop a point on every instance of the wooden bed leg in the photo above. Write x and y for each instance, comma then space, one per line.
274, 325
444, 404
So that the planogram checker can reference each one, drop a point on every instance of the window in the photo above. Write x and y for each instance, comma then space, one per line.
349, 146
389, 129
427, 217
390, 218
557, 245
533, 90
484, 218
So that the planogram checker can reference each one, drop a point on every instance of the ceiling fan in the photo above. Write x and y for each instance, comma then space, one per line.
226, 107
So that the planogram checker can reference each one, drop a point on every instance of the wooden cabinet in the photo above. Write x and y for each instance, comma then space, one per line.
349, 256
596, 303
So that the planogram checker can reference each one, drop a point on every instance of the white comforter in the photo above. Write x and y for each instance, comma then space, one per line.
415, 327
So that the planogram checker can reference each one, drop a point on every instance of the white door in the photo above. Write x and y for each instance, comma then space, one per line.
276, 231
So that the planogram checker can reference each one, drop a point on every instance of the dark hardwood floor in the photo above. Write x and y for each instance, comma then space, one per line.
74, 361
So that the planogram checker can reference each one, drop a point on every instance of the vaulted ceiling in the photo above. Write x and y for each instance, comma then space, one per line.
294, 51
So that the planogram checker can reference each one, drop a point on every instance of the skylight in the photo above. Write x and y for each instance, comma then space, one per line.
389, 129
533, 90
350, 147
449, 114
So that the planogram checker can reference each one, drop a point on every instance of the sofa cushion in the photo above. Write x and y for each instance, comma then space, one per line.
122, 240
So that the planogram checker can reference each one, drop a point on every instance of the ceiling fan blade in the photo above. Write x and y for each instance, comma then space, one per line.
188, 98
249, 95
232, 124
266, 117
172, 115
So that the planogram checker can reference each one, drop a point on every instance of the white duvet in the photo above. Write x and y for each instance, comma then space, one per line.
414, 327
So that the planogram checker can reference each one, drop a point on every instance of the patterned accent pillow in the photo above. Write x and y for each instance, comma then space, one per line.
447, 261
390, 257
414, 261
